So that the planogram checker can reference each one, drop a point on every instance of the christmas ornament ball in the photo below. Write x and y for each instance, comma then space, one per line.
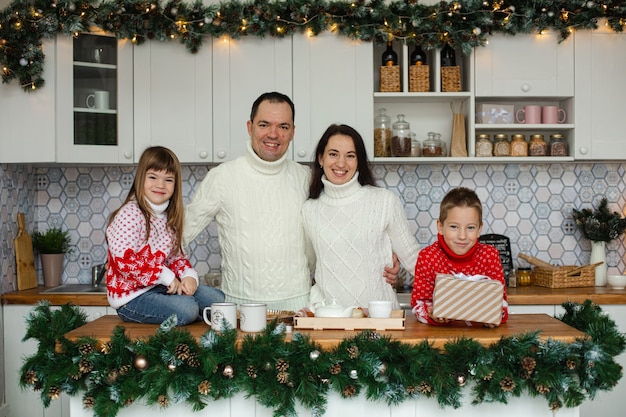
141, 362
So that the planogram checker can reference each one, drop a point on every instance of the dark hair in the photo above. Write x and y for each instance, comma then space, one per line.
158, 158
272, 97
460, 197
363, 168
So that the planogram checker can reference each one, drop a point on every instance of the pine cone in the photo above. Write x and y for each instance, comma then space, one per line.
488, 376
193, 361
182, 351
349, 391
128, 401
105, 348
163, 401
30, 377
282, 377
411, 389
112, 377
54, 393
425, 388
353, 352
571, 364
335, 369
542, 389
555, 407
86, 349
251, 371
282, 365
85, 366
507, 384
124, 369
204, 387
529, 364
88, 402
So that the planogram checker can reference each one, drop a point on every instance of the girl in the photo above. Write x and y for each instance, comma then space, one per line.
149, 277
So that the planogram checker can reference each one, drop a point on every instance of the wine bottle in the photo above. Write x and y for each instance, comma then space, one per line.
418, 57
448, 56
390, 57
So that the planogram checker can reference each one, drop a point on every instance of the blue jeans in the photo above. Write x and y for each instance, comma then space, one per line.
155, 306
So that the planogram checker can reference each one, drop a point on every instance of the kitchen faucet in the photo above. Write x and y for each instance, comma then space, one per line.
97, 274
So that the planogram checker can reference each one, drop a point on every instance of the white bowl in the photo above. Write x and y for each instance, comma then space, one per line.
618, 282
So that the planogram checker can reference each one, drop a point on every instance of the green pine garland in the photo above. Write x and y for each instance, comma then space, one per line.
462, 23
172, 366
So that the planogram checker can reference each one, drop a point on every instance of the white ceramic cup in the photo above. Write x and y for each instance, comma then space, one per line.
252, 317
552, 115
98, 100
379, 309
532, 115
218, 312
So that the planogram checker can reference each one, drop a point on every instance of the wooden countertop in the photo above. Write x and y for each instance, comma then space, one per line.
532, 295
414, 332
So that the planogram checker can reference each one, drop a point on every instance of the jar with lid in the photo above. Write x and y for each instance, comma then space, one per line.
538, 146
558, 145
524, 277
434, 146
382, 134
484, 145
501, 145
401, 140
416, 146
519, 146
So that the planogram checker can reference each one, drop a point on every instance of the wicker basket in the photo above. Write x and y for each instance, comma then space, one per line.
419, 78
565, 276
450, 79
390, 79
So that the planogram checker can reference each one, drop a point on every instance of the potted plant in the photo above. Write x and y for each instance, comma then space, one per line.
52, 246
600, 226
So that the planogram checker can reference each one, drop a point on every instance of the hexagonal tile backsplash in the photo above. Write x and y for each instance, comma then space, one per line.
530, 203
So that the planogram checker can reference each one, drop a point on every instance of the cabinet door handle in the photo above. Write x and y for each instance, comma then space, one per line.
301, 153
203, 155
128, 155
583, 150
526, 88
221, 154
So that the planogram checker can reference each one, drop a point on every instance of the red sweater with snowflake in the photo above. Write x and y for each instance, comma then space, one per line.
136, 265
437, 258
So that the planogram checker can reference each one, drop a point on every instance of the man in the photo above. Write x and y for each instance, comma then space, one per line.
256, 201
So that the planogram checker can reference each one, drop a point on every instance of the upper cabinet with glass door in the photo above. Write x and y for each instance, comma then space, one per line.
94, 99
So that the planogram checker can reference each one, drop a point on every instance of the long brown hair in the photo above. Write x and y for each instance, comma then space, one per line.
158, 158
363, 167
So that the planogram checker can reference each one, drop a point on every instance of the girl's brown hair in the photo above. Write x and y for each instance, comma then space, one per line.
159, 158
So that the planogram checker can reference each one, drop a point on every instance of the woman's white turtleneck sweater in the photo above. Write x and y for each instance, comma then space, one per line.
258, 209
354, 229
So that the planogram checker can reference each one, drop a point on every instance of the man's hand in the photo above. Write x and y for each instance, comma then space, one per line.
391, 273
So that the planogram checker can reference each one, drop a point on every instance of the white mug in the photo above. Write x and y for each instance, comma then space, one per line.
252, 317
218, 312
98, 100
379, 309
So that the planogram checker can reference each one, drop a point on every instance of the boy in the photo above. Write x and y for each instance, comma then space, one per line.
457, 251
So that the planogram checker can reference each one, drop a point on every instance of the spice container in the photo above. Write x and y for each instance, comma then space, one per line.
401, 140
434, 146
416, 146
501, 145
538, 146
484, 146
519, 146
524, 277
382, 134
558, 145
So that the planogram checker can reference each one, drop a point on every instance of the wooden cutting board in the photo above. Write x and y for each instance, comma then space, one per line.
24, 257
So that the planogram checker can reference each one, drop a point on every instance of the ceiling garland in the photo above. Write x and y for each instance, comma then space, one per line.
464, 24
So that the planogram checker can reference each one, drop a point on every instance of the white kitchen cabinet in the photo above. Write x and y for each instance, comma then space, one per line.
28, 119
243, 69
94, 99
331, 84
173, 100
600, 92
28, 402
525, 66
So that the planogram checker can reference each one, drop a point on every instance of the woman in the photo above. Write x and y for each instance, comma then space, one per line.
354, 226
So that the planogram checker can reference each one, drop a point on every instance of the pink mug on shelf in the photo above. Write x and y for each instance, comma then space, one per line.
553, 115
532, 115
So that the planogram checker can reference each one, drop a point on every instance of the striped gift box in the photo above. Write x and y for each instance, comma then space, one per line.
462, 299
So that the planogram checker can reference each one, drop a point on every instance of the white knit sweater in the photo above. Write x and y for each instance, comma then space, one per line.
354, 230
257, 206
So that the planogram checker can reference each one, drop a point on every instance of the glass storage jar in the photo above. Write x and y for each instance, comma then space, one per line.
519, 146
501, 145
538, 146
558, 145
434, 146
382, 134
416, 146
401, 140
484, 145
524, 277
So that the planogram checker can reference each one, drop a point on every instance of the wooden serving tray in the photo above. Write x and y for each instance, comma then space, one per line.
395, 322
